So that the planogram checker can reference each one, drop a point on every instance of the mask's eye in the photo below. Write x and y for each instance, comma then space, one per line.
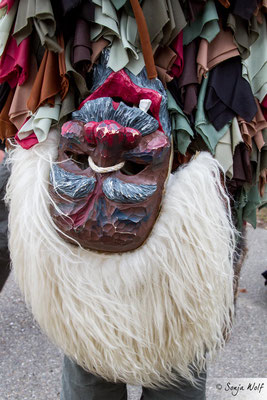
81, 160
132, 168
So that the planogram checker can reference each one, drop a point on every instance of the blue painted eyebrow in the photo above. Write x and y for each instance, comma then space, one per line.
132, 117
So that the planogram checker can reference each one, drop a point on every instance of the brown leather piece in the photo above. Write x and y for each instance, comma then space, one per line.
165, 57
62, 69
97, 48
264, 6
241, 165
82, 46
221, 48
184, 158
144, 39
188, 82
262, 181
51, 79
225, 3
253, 129
164, 76
7, 129
164, 60
195, 7
211, 54
19, 111
47, 82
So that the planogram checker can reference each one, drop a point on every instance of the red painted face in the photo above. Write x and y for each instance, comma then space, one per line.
113, 164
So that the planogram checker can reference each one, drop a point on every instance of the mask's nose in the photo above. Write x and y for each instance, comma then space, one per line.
73, 130
110, 141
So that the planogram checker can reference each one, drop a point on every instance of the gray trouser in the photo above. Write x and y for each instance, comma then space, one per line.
77, 384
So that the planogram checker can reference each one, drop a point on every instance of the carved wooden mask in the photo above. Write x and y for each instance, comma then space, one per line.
113, 163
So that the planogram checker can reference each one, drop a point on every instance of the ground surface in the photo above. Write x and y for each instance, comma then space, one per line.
30, 366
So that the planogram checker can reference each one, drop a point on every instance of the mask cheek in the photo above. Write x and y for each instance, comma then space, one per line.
153, 148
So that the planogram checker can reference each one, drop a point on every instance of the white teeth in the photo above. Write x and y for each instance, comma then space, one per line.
145, 104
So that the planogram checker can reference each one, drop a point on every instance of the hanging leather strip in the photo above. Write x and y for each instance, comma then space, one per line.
144, 39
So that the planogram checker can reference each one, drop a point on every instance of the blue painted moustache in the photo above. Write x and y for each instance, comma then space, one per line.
79, 186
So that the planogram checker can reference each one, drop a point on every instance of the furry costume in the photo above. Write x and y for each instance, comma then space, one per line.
138, 316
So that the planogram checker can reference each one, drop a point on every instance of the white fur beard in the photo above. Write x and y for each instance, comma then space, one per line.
140, 317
